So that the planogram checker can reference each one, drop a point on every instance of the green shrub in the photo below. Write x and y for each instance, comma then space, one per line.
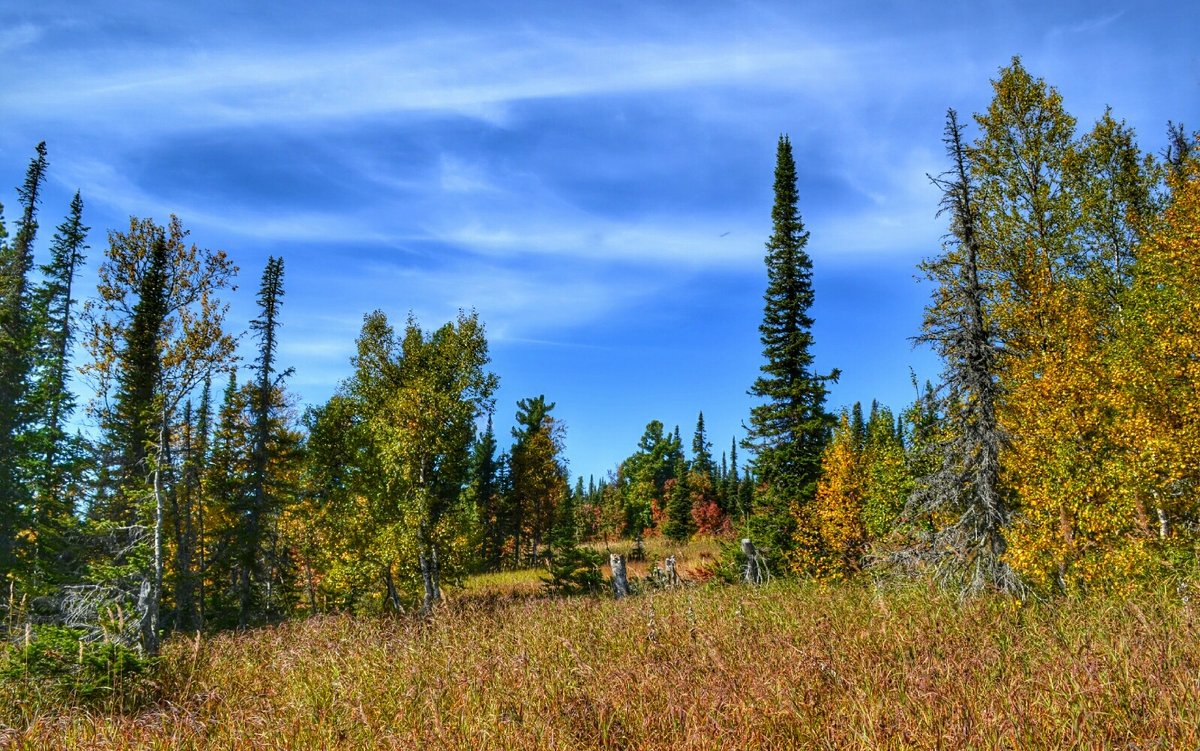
58, 667
575, 571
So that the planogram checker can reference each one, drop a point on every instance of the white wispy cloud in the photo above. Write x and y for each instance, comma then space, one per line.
688, 242
471, 75
516, 300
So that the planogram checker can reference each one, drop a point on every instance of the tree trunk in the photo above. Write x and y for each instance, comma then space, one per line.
388, 582
150, 595
429, 574
620, 581
755, 570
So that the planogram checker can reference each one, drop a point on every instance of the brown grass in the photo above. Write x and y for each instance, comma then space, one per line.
787, 666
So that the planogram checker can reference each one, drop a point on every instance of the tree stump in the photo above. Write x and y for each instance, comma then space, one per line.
756, 566
620, 581
672, 576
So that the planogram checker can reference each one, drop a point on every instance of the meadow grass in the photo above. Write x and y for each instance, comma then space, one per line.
720, 667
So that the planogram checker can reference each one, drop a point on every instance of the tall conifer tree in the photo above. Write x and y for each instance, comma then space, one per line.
16, 346
263, 404
54, 308
789, 429
702, 459
488, 501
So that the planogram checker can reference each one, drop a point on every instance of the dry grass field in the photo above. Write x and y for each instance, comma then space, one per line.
713, 667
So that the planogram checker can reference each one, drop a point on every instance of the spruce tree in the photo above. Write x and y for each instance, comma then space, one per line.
224, 499
702, 460
789, 429
56, 459
16, 354
538, 477
574, 570
732, 489
679, 525
263, 405
488, 510
136, 417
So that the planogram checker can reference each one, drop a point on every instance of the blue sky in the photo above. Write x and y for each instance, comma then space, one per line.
594, 179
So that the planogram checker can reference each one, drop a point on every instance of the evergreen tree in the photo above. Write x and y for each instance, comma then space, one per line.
183, 523
788, 431
133, 428
679, 524
58, 458
225, 491
643, 478
732, 492
1179, 149
488, 502
573, 570
702, 460
264, 406
537, 476
199, 457
16, 354
154, 329
858, 426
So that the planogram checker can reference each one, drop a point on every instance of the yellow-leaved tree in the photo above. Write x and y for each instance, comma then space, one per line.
830, 536
1158, 358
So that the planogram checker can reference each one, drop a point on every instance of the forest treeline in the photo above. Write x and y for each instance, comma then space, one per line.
1060, 451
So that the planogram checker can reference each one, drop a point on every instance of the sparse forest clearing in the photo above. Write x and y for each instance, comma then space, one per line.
208, 539
783, 666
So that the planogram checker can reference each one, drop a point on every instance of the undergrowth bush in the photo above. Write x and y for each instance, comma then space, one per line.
58, 668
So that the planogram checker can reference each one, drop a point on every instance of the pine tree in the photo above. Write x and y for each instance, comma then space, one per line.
135, 415
858, 426
732, 491
155, 331
224, 499
199, 457
154, 328
538, 478
573, 570
788, 431
57, 456
643, 478
264, 407
16, 355
679, 524
1179, 149
702, 460
183, 524
488, 502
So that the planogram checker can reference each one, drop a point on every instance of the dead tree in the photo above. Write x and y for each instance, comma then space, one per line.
620, 581
755, 571
671, 574
966, 487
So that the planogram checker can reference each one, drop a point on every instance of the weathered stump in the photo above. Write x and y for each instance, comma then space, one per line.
755, 572
672, 576
620, 580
